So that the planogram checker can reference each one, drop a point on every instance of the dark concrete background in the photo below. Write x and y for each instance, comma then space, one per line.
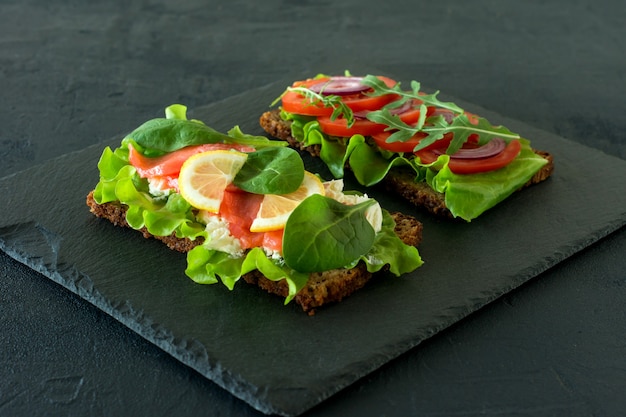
75, 73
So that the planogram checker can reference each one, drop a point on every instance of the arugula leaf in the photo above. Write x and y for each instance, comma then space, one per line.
323, 234
462, 127
380, 88
436, 127
271, 171
334, 101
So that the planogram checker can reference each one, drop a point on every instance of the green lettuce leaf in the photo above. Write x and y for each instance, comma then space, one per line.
467, 196
388, 249
208, 266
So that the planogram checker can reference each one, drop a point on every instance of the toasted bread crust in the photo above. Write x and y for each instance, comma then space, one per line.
399, 181
322, 288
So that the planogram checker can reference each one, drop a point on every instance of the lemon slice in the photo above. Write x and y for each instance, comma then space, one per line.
276, 208
204, 177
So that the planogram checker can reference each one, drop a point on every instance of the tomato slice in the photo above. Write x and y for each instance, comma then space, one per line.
381, 141
365, 127
473, 166
296, 103
410, 117
339, 127
293, 102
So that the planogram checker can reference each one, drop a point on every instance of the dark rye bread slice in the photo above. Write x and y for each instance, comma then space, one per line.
399, 181
321, 289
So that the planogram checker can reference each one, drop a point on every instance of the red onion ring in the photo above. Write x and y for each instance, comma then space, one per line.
491, 148
446, 114
340, 86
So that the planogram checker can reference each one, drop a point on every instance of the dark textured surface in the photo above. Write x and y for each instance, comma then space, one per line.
73, 74
467, 266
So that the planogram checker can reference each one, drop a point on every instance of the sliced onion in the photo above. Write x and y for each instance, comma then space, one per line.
340, 86
448, 115
398, 110
491, 148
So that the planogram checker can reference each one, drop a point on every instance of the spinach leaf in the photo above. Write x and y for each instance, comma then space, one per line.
271, 171
323, 234
168, 135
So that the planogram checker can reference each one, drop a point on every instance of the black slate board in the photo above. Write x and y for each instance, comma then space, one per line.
275, 357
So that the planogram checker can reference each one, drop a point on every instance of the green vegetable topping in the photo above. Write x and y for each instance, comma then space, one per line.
336, 234
271, 171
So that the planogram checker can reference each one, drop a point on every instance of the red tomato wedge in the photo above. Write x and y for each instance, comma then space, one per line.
239, 209
473, 166
169, 164
296, 103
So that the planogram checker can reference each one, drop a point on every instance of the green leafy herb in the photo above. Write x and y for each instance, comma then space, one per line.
436, 128
334, 101
323, 234
380, 88
271, 171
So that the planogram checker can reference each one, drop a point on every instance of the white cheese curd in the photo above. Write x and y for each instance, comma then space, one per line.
221, 239
273, 254
219, 235
373, 214
158, 187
